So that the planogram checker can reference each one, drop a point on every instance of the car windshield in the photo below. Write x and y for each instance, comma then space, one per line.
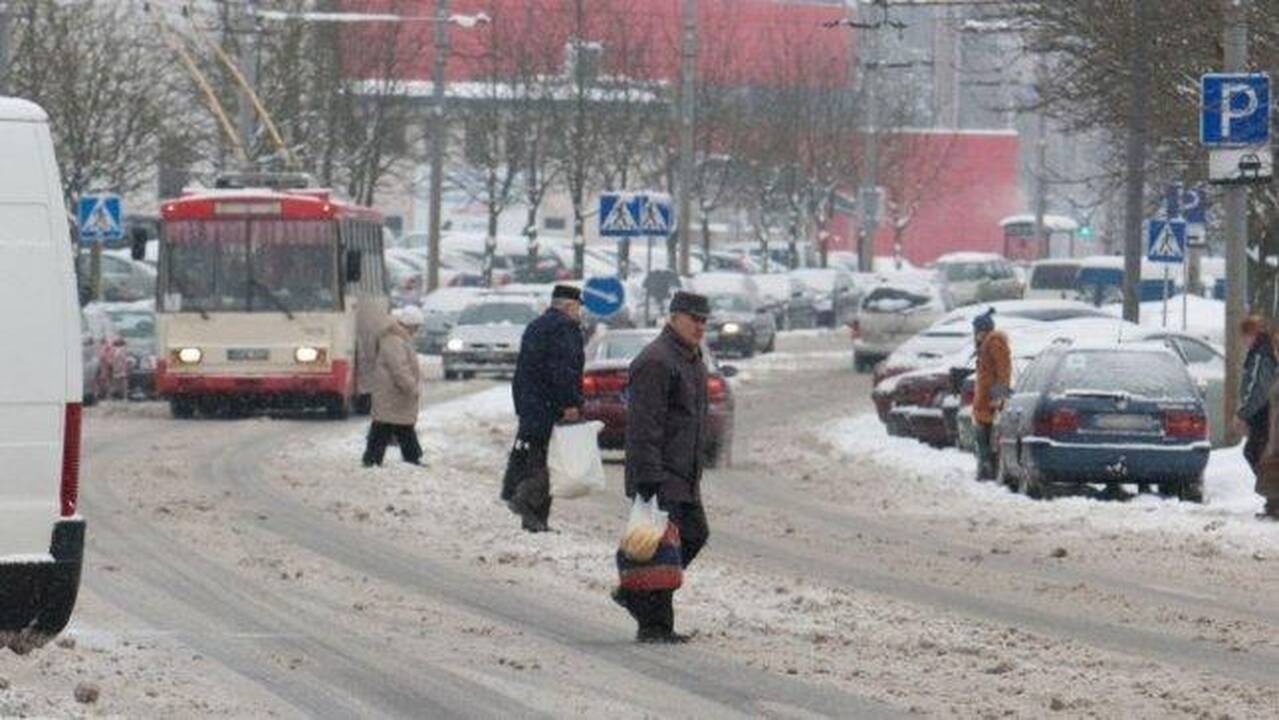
250, 266
1134, 372
730, 303
133, 324
964, 271
1054, 277
498, 313
623, 347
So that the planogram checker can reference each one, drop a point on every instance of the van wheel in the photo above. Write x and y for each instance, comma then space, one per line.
363, 404
182, 408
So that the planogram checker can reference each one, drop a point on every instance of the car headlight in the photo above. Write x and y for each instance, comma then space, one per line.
455, 345
731, 328
189, 355
308, 354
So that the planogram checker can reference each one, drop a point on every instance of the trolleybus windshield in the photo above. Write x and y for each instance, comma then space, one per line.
277, 266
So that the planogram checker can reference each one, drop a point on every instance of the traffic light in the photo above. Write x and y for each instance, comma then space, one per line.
1085, 231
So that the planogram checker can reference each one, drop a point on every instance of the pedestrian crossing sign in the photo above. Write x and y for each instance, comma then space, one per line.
1166, 241
637, 214
99, 217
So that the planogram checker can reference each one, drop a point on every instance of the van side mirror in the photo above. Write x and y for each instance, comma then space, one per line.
354, 271
138, 249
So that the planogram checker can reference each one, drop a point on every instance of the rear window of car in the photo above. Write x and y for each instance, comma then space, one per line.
1141, 373
623, 348
892, 299
497, 313
1054, 277
965, 271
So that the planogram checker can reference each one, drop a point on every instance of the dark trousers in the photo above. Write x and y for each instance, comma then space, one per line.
1258, 435
655, 611
527, 484
380, 435
986, 457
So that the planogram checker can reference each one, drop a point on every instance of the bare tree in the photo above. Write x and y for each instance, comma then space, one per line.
106, 85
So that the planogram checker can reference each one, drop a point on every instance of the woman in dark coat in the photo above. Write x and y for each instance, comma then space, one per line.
1253, 414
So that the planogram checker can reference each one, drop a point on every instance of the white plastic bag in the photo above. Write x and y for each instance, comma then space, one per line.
573, 459
644, 529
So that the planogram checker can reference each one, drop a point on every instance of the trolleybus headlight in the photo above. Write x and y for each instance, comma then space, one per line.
190, 355
306, 354
455, 345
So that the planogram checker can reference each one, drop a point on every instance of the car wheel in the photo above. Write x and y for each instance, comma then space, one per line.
89, 400
1030, 486
1192, 490
1002, 476
182, 408
468, 376
450, 374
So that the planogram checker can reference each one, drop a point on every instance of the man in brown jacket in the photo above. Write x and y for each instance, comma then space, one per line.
665, 448
397, 396
994, 377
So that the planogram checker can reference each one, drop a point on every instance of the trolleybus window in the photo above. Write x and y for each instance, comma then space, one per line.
250, 266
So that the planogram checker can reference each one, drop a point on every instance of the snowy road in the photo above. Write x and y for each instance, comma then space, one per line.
250, 568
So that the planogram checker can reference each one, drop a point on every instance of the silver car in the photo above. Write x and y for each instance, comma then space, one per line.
486, 338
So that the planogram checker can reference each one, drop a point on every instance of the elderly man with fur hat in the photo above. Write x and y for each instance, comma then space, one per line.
547, 389
397, 396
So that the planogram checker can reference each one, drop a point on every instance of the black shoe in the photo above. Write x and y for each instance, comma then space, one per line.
367, 464
661, 637
533, 525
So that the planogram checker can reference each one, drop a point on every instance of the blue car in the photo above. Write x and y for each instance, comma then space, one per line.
1108, 415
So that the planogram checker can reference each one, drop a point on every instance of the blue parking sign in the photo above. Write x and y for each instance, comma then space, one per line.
1235, 109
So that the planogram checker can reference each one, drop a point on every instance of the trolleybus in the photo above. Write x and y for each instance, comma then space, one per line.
268, 297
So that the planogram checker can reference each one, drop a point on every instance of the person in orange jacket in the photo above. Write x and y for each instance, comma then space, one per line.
994, 380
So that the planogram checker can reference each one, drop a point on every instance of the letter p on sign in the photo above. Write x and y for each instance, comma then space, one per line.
1235, 110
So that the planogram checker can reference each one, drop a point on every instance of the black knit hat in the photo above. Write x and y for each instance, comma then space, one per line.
691, 303
566, 292
984, 322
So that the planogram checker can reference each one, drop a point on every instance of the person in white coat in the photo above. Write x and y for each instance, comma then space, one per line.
397, 395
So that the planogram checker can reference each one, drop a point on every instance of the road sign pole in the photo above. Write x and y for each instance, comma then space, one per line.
1185, 290
1165, 289
648, 270
95, 270
1235, 42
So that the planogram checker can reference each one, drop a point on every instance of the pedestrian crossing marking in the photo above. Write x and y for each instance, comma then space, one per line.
652, 219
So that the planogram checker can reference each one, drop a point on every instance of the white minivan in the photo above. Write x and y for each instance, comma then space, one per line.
41, 533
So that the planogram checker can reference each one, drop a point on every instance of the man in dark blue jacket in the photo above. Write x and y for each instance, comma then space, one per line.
547, 389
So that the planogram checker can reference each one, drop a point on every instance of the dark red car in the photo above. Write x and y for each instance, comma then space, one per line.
604, 381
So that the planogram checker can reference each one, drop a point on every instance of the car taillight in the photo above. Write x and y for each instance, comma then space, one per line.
1185, 425
716, 388
70, 459
603, 383
1060, 421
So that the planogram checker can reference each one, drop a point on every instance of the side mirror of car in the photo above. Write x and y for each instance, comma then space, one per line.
728, 371
354, 271
138, 248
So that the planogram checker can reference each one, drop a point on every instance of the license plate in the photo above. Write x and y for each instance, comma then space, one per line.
1140, 423
248, 354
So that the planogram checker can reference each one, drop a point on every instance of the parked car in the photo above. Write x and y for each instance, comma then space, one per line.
1053, 279
135, 324
919, 405
1101, 280
834, 295
41, 529
1104, 414
889, 315
1207, 365
487, 336
123, 279
792, 308
978, 277
604, 380
739, 326
440, 310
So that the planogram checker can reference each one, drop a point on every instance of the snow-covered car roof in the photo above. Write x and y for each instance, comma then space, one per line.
968, 257
1053, 310
450, 299
724, 282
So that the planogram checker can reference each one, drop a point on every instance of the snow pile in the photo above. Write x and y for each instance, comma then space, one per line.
941, 482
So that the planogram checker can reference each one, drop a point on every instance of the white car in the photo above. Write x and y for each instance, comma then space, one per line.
486, 338
41, 531
978, 277
891, 314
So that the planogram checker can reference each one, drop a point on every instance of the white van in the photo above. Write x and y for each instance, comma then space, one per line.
41, 534
1053, 279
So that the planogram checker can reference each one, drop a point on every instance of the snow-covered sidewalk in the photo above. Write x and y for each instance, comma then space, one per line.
941, 481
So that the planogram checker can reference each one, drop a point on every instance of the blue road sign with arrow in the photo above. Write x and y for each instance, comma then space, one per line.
1166, 241
603, 296
99, 218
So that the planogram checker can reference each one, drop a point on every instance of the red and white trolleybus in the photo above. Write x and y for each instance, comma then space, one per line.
270, 295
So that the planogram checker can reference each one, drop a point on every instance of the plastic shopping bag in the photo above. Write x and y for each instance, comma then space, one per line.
644, 530
649, 556
573, 459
